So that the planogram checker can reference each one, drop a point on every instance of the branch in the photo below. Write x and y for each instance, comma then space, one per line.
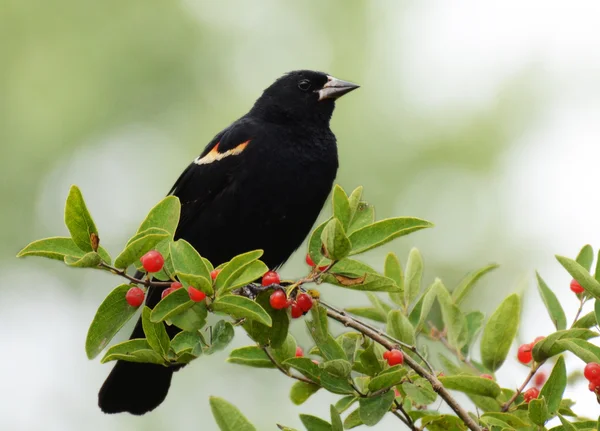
407, 420
145, 282
364, 329
512, 399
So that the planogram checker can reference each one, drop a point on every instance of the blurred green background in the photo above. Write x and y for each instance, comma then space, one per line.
480, 118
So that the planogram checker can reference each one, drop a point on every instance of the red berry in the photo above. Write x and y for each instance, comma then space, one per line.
395, 357
152, 261
304, 301
167, 291
524, 353
531, 394
278, 300
540, 378
195, 294
135, 296
594, 386
299, 352
576, 287
270, 278
487, 376
537, 340
323, 267
386, 354
176, 285
592, 372
296, 311
214, 273
309, 260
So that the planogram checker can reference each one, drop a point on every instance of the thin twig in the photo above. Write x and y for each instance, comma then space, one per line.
284, 371
435, 383
453, 350
581, 303
146, 282
409, 422
399, 416
512, 399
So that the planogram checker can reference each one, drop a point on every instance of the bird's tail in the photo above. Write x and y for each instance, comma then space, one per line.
134, 387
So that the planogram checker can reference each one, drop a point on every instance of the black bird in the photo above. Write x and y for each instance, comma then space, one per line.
259, 184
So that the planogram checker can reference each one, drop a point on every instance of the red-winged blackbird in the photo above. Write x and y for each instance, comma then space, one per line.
259, 184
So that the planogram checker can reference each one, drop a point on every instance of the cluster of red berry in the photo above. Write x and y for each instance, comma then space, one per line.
153, 262
394, 357
300, 306
592, 373
524, 353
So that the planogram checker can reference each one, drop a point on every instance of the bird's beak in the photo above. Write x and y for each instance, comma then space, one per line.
335, 88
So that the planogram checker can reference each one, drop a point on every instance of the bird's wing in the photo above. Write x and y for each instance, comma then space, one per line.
213, 173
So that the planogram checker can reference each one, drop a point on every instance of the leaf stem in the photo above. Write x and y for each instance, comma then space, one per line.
512, 399
144, 282
284, 371
581, 303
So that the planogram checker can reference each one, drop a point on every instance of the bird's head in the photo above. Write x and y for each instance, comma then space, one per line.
302, 96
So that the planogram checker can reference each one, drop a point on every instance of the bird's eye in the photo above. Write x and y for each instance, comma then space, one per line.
304, 85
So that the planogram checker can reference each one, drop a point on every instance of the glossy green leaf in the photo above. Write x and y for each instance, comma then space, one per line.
373, 409
242, 307
187, 341
555, 310
301, 391
335, 242
337, 367
234, 268
353, 420
352, 268
317, 328
474, 385
388, 378
313, 423
156, 333
400, 328
549, 346
588, 320
586, 351
228, 417
505, 418
555, 386
197, 281
164, 215
88, 260
354, 200
53, 248
582, 275
468, 283
474, 324
350, 342
315, 245
363, 216
538, 411
112, 314
499, 332
366, 283
341, 206
305, 366
455, 322
192, 319
246, 275
344, 403
139, 245
392, 269
383, 231
420, 391
222, 334
287, 350
252, 356
79, 221
413, 276
187, 260
336, 384
586, 257
372, 359
439, 422
136, 350
174, 303
420, 312
567, 426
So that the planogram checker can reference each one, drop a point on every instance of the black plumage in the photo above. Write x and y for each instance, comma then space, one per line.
259, 184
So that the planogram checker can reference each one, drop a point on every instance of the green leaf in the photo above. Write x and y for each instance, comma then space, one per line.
313, 423
174, 303
549, 346
455, 322
474, 324
252, 356
538, 411
363, 216
285, 351
335, 242
586, 351
234, 268
222, 334
79, 221
242, 307
555, 386
156, 333
315, 246
368, 313
196, 281
246, 275
567, 426
337, 367
383, 231
301, 391
192, 319
136, 350
412, 279
336, 384
467, 283
367, 283
164, 215
317, 327
420, 311
588, 320
582, 275
228, 417
388, 378
586, 257
350, 343
392, 269
444, 423
596, 312
371, 359
190, 341
353, 420
341, 206
344, 403
472, 385
88, 260
336, 420
139, 245
354, 200
373, 409
53, 248
352, 268
505, 418
112, 314
264, 335
420, 391
186, 260
555, 310
305, 366
400, 328
499, 332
